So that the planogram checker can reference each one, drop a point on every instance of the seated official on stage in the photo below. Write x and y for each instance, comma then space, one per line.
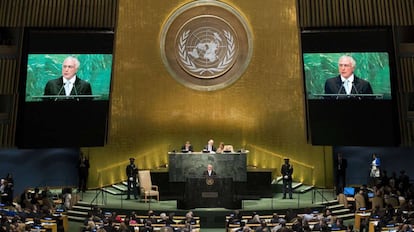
209, 148
224, 148
187, 147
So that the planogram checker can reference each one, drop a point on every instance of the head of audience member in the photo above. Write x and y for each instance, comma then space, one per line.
163, 216
256, 218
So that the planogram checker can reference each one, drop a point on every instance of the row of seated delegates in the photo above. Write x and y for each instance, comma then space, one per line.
111, 221
7, 189
209, 148
394, 190
378, 196
400, 183
389, 218
26, 219
40, 198
308, 221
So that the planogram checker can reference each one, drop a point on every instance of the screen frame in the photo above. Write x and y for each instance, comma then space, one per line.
368, 71
100, 64
359, 130
40, 124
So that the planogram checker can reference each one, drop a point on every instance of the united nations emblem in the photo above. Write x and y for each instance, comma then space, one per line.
206, 45
206, 51
209, 181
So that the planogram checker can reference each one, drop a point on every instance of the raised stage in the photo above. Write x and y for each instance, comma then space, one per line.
209, 217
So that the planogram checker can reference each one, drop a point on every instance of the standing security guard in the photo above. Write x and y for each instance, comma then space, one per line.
287, 171
131, 172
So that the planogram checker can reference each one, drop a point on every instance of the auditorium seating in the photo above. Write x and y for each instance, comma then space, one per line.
156, 226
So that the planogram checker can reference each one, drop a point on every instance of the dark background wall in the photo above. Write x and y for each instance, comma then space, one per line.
40, 167
393, 159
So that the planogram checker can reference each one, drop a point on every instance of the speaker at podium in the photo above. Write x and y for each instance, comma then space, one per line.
209, 192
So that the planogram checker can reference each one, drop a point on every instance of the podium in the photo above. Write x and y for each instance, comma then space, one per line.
66, 98
348, 96
209, 192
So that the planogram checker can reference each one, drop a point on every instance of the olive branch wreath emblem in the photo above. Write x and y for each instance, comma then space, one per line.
224, 63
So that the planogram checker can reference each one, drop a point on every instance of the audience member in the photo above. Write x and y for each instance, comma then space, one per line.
67, 198
25, 198
360, 200
263, 227
341, 166
83, 172
377, 200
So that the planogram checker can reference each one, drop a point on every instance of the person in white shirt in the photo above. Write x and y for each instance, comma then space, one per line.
209, 171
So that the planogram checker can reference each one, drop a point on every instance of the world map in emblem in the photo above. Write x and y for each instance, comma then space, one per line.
206, 45
206, 52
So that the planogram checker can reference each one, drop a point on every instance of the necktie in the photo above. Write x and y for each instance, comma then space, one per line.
67, 88
347, 87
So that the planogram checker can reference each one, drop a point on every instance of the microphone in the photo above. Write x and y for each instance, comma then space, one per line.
356, 90
339, 91
61, 88
76, 91
354, 87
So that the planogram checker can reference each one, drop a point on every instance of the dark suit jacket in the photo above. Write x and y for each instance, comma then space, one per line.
287, 170
206, 148
341, 168
334, 85
189, 148
55, 87
213, 173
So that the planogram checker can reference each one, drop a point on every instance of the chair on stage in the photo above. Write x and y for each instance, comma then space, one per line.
146, 187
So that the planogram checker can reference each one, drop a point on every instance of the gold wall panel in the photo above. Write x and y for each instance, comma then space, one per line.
151, 113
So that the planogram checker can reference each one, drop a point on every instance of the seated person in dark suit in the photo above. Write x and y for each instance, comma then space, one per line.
69, 84
187, 147
209, 171
210, 147
346, 82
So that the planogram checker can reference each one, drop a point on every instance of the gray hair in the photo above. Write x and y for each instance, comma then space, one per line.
74, 59
353, 63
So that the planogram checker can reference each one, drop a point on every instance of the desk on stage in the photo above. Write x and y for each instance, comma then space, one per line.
187, 165
209, 192
247, 184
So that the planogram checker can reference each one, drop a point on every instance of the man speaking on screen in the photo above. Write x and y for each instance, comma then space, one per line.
69, 84
346, 84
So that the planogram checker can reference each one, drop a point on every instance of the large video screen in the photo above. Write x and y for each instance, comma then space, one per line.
349, 82
42, 69
372, 67
65, 88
